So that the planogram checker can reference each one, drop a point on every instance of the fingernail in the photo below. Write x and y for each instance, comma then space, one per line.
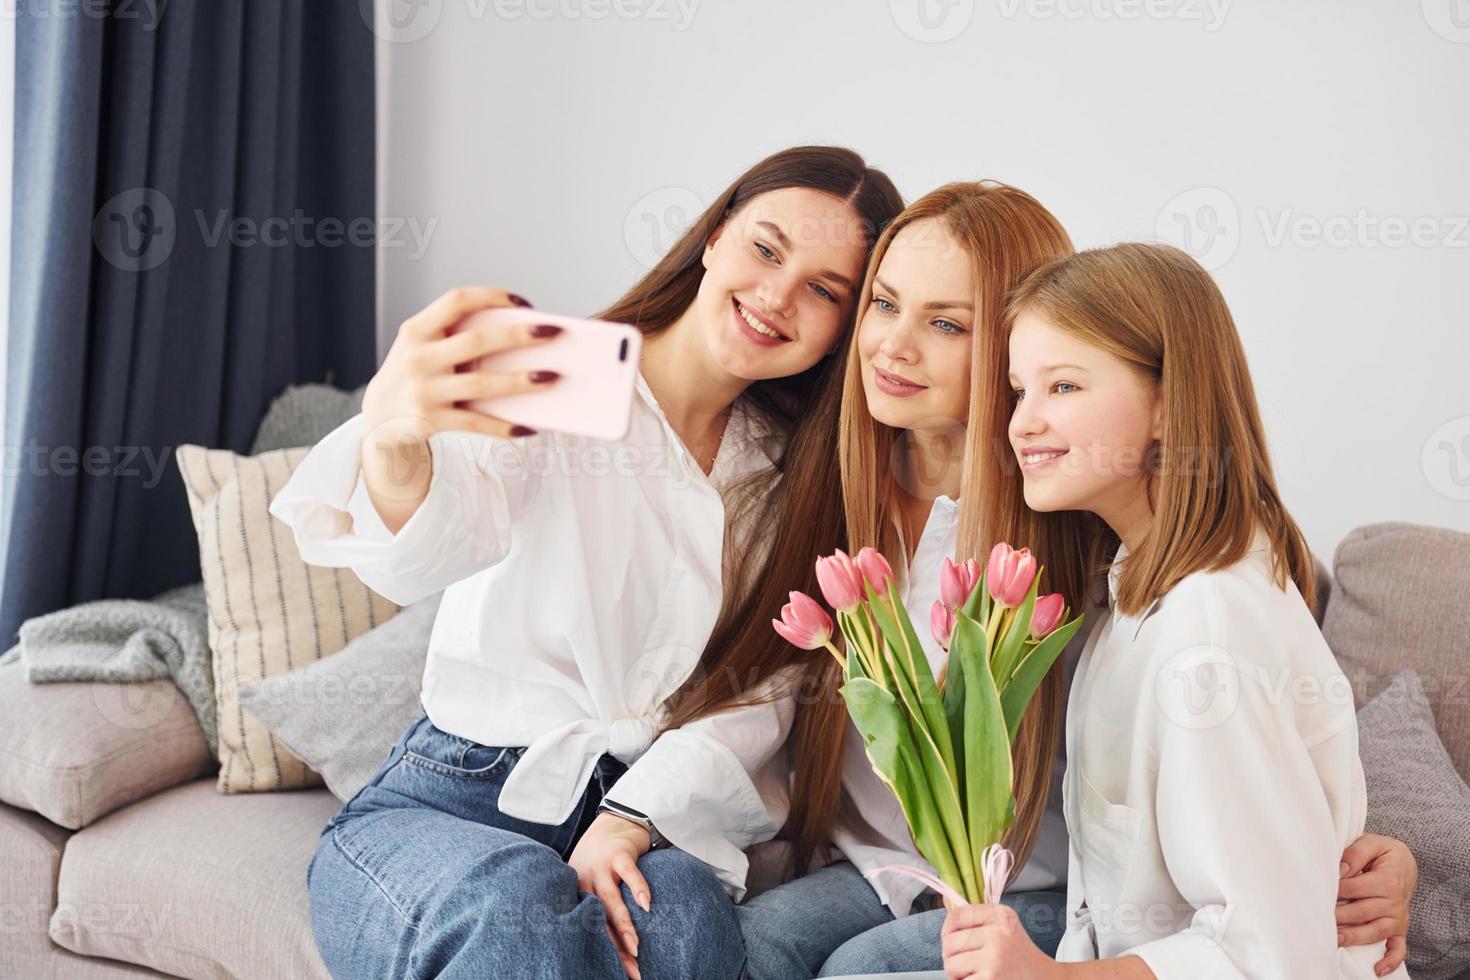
643, 900
1341, 938
544, 377
1342, 869
632, 941
545, 330
517, 300
522, 430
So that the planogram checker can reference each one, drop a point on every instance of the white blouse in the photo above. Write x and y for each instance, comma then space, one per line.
581, 581
1046, 869
1214, 783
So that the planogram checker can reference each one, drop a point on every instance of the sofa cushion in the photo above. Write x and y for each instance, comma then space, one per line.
269, 611
74, 752
342, 714
1398, 600
30, 853
218, 882
1415, 795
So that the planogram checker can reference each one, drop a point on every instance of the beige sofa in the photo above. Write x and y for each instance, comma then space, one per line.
142, 869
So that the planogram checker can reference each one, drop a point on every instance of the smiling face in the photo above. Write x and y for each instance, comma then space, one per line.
779, 284
1083, 424
915, 337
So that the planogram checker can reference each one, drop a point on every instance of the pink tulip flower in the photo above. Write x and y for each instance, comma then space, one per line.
841, 582
804, 623
941, 623
1009, 573
875, 569
956, 582
1048, 614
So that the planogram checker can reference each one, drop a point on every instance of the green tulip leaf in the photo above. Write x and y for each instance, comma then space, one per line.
987, 749
1027, 678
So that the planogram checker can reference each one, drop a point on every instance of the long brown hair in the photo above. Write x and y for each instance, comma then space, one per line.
1006, 233
1210, 484
742, 650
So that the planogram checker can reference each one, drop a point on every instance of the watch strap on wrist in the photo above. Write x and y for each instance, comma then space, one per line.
628, 813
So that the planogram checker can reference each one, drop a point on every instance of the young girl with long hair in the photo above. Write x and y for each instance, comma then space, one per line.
915, 467
1207, 800
575, 711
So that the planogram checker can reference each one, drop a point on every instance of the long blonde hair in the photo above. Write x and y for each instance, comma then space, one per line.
1006, 233
1211, 484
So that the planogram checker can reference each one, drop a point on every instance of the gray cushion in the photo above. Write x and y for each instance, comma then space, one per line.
74, 752
302, 414
1399, 601
1415, 794
341, 714
194, 883
1324, 590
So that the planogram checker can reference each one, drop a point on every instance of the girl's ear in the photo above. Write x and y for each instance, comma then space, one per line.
709, 244
1156, 428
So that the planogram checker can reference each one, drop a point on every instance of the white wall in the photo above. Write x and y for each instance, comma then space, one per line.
538, 146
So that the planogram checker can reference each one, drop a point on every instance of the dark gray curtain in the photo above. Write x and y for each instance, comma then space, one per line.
193, 196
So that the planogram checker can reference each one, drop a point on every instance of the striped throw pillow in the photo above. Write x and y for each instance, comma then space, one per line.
269, 611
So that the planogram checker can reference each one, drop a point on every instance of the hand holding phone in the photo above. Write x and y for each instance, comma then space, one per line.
596, 367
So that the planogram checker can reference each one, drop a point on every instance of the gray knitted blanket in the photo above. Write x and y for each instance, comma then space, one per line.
127, 640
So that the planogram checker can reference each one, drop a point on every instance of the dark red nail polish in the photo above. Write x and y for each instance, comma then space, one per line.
517, 300
544, 377
522, 430
545, 330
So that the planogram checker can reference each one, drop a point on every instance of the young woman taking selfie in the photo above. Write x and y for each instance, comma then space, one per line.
571, 721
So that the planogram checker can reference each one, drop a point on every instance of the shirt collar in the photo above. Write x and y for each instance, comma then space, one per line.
1115, 575
945, 509
1260, 545
752, 442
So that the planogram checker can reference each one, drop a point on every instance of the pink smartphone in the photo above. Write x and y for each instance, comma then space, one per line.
598, 363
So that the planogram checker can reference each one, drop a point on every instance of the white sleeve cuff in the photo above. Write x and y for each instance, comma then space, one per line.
1187, 955
699, 797
462, 525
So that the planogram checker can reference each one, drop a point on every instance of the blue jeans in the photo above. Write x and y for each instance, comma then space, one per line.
421, 875
830, 923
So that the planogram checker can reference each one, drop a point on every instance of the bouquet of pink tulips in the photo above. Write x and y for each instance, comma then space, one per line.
942, 745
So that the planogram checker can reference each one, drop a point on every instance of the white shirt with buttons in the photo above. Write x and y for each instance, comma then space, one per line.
581, 581
1214, 783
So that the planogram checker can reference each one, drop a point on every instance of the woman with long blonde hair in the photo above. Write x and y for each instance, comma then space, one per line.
1207, 804
916, 461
